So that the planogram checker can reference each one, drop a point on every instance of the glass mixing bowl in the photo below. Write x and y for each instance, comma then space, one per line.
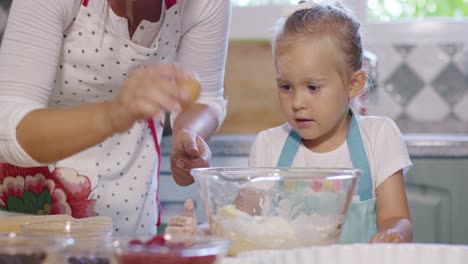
276, 208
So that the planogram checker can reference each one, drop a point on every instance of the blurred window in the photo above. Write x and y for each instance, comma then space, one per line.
262, 2
391, 10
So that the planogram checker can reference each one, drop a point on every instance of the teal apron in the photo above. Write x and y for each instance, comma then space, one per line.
360, 223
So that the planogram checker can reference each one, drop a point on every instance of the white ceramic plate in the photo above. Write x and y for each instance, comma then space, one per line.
362, 254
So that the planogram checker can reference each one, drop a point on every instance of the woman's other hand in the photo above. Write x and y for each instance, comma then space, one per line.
185, 224
188, 151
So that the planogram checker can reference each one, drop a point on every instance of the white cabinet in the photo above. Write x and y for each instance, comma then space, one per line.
438, 199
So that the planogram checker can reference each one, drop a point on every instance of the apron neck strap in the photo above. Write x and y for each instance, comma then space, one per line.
289, 149
359, 159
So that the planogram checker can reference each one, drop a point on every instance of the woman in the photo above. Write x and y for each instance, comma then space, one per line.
84, 86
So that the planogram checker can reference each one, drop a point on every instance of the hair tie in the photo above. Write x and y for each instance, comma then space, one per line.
288, 11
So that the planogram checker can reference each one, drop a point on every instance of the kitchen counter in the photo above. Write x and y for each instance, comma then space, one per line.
435, 185
419, 145
357, 254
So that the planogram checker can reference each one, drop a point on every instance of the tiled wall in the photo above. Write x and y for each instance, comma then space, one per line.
423, 86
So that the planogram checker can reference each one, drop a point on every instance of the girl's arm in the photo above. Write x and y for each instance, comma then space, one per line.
393, 215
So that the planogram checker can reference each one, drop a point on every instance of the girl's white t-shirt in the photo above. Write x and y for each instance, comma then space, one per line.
385, 148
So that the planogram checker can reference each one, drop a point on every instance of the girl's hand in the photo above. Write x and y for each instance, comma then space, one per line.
388, 236
250, 200
147, 93
392, 212
186, 224
188, 151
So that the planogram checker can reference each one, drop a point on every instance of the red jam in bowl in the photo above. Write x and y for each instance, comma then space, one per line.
170, 249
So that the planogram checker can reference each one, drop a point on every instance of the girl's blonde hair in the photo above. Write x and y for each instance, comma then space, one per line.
324, 20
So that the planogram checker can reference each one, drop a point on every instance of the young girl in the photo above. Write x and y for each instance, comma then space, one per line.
84, 85
318, 59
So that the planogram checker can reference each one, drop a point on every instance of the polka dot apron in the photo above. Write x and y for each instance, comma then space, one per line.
118, 178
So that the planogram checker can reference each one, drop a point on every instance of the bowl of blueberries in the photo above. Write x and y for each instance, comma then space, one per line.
29, 249
91, 240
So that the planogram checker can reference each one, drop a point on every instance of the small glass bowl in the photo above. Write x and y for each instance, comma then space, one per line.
20, 248
92, 240
180, 249
70, 228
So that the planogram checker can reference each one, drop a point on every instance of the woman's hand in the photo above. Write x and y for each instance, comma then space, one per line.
147, 93
188, 151
185, 224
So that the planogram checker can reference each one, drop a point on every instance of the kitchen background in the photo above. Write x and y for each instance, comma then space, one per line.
422, 65
421, 50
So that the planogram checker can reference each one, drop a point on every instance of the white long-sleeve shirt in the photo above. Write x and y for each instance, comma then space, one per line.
32, 46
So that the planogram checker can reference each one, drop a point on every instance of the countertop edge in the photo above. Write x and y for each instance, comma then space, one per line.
419, 145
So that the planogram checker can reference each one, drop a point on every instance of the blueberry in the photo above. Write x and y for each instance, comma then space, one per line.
87, 260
